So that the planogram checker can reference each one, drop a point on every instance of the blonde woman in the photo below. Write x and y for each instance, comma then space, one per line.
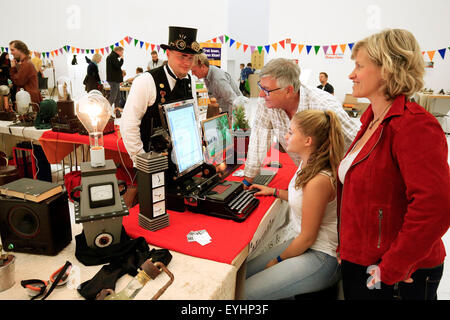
92, 80
394, 182
307, 261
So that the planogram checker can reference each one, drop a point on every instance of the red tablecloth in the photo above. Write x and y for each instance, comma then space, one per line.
57, 145
229, 238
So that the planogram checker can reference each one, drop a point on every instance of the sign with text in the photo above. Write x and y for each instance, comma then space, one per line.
213, 51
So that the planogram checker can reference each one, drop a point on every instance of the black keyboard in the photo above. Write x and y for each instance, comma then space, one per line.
263, 179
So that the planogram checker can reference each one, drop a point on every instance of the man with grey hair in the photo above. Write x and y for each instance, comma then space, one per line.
284, 95
219, 83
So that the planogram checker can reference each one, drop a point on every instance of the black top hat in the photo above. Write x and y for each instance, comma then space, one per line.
183, 40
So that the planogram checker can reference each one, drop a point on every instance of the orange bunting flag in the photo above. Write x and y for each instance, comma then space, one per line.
53, 54
274, 45
238, 44
73, 49
343, 47
122, 43
282, 43
293, 45
96, 50
431, 54
300, 48
146, 45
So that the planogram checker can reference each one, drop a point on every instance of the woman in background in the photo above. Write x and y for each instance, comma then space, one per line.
5, 65
393, 188
92, 80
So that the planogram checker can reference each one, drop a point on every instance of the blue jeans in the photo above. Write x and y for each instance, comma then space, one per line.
114, 94
309, 272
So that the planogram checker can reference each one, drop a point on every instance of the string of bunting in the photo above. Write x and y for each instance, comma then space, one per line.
224, 39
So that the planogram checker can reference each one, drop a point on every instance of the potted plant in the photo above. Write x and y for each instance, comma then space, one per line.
241, 128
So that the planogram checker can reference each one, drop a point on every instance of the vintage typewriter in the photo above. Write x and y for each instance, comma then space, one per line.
192, 183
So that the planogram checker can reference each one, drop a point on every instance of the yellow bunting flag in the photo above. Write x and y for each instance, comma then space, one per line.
431, 54
238, 44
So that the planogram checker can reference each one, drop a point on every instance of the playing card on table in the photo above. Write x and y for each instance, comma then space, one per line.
200, 236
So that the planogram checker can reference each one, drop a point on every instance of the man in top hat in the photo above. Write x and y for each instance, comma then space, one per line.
161, 85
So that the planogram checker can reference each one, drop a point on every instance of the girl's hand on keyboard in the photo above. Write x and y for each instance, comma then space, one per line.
261, 190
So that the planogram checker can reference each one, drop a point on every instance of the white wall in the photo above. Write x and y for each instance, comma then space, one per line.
50, 24
338, 22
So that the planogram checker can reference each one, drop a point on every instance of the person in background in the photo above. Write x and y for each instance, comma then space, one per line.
219, 83
245, 72
283, 96
393, 187
241, 81
324, 85
92, 80
114, 74
304, 258
155, 62
5, 65
23, 73
139, 71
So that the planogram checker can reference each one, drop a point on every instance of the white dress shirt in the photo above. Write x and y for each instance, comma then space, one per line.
142, 95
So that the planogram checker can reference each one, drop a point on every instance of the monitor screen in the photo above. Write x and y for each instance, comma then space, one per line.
185, 135
217, 137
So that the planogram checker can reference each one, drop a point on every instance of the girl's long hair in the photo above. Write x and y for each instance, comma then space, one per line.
325, 129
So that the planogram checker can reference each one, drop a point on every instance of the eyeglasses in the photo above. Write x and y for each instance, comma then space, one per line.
266, 92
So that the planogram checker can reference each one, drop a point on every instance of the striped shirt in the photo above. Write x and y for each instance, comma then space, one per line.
270, 123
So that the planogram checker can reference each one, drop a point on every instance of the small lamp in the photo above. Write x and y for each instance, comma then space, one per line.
94, 111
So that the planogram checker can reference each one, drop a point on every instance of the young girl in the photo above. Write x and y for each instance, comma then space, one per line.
306, 262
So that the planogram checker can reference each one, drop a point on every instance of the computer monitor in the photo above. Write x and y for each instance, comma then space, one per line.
218, 139
184, 132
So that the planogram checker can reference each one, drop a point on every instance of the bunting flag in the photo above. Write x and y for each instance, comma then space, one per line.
316, 49
269, 48
333, 48
293, 45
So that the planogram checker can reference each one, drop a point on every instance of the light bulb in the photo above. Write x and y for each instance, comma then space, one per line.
94, 111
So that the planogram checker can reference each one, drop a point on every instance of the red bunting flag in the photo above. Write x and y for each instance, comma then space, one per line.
333, 48
282, 43
293, 45
245, 47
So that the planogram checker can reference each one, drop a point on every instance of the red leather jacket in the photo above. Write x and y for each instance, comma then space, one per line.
394, 205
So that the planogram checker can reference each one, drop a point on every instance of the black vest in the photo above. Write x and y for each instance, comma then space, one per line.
152, 117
